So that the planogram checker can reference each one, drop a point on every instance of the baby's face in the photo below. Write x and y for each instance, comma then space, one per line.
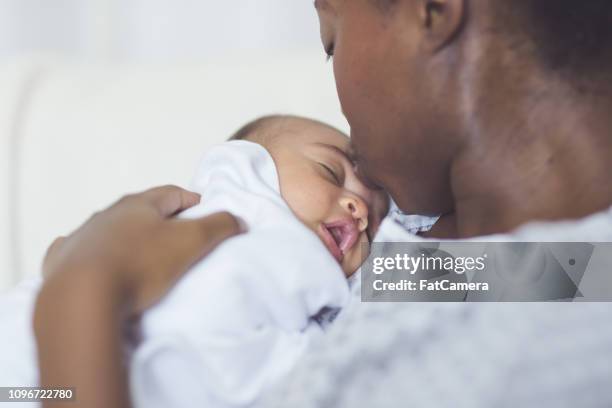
319, 183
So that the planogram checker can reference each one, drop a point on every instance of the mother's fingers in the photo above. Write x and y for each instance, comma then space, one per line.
196, 238
169, 200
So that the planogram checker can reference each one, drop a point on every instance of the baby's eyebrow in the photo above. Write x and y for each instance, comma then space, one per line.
336, 149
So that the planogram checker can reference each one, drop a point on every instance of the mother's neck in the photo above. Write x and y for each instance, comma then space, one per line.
538, 149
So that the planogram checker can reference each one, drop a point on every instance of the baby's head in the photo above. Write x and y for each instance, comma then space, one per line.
319, 183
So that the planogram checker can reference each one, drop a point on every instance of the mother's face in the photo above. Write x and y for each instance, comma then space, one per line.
390, 99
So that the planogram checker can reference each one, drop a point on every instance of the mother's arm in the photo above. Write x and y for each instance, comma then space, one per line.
117, 264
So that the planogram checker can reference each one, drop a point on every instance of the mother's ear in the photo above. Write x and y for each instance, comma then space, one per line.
440, 21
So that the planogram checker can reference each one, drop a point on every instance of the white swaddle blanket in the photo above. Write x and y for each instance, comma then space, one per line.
240, 319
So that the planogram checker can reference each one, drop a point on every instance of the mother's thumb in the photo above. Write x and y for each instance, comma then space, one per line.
200, 236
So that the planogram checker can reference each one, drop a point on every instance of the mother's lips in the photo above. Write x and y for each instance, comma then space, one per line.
339, 237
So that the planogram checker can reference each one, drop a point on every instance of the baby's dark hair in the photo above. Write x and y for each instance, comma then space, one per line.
264, 129
256, 126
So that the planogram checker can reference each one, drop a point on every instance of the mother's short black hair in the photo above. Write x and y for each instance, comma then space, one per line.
572, 35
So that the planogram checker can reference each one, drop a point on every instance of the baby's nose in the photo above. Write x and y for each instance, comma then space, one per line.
358, 210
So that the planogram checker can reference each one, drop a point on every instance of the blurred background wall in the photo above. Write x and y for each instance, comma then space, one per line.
103, 97
155, 30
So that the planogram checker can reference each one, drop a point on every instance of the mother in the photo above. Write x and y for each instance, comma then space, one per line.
494, 113
497, 111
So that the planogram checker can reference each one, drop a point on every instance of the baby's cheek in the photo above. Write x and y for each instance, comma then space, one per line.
304, 202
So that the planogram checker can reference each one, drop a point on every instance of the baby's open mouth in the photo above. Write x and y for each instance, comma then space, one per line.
339, 237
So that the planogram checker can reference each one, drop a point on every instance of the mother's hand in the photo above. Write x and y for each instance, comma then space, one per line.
117, 264
138, 244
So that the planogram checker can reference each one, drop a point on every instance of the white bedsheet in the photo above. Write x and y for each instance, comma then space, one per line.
18, 367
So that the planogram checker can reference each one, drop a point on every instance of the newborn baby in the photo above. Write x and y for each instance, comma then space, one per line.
240, 320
